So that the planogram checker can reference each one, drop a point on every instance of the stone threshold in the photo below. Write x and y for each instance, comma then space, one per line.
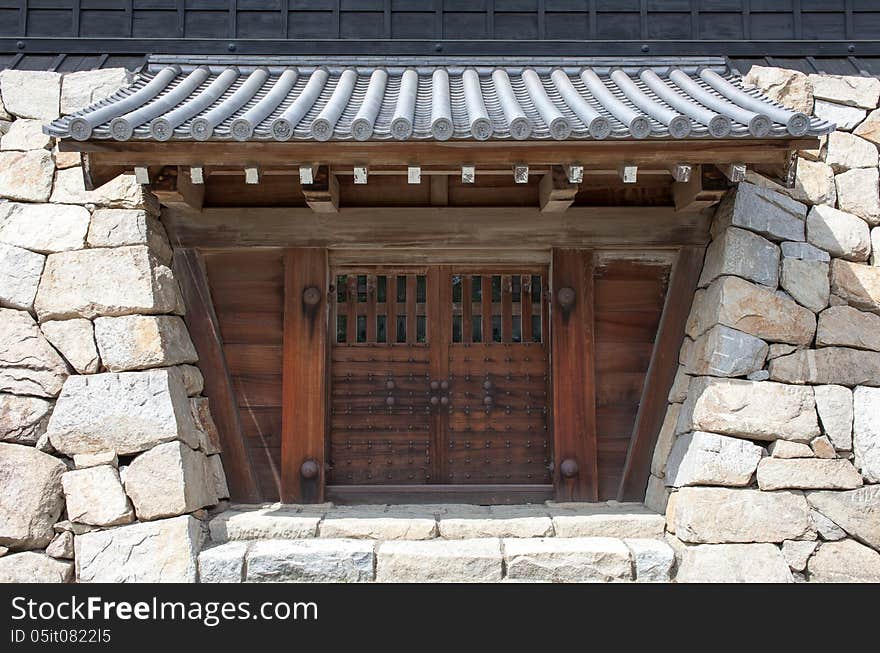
552, 542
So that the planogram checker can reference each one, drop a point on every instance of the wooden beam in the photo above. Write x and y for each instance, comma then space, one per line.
488, 227
660, 374
576, 474
555, 192
174, 187
96, 173
735, 172
439, 190
705, 187
305, 380
681, 171
322, 195
628, 172
204, 330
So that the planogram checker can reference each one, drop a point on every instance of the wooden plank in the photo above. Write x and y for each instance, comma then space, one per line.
555, 192
506, 309
486, 307
526, 299
439, 190
574, 410
304, 386
201, 322
351, 298
453, 227
661, 372
440, 340
371, 308
411, 317
391, 309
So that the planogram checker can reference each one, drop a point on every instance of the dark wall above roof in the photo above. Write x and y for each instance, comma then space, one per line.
34, 32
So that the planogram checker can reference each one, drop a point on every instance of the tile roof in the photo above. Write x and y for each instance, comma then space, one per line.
275, 98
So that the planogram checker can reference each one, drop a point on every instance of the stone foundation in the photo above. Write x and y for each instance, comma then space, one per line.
766, 467
108, 456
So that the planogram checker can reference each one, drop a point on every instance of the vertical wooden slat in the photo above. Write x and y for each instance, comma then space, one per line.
439, 305
351, 309
201, 321
467, 308
391, 308
486, 308
411, 318
574, 396
305, 381
371, 308
526, 307
506, 309
661, 373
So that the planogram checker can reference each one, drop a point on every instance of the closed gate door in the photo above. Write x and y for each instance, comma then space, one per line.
439, 376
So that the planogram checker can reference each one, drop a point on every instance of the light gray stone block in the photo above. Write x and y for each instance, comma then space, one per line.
223, 563
310, 561
744, 254
723, 351
26, 176
841, 234
848, 327
20, 271
845, 561
446, 561
866, 431
857, 512
763, 211
31, 499
44, 228
32, 567
701, 458
829, 365
733, 563
95, 496
23, 420
568, 560
136, 342
807, 282
75, 340
807, 474
275, 522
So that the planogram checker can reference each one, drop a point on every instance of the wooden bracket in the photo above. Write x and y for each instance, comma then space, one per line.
705, 187
735, 172
174, 187
555, 192
322, 195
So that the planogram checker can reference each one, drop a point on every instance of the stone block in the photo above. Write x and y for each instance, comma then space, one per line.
105, 282
759, 410
845, 561
849, 90
75, 340
846, 151
665, 440
20, 271
857, 192
869, 129
169, 480
218, 476
145, 409
848, 327
82, 89
714, 515
376, 523
807, 474
701, 458
95, 496
61, 547
28, 363
277, 522
845, 118
752, 309
788, 87
744, 254
122, 192
733, 563
829, 365
858, 284
807, 283
771, 214
163, 551
841, 234
86, 460
835, 406
804, 252
797, 552
120, 227
44, 228
31, 94
26, 176
23, 420
653, 560
866, 431
613, 522
223, 563
137, 342
25, 135
31, 500
310, 561
32, 567
826, 528
857, 512
722, 351
786, 449
209, 436
567, 560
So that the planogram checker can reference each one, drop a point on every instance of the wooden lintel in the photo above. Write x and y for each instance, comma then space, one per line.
439, 191
204, 329
555, 192
604, 154
661, 373
705, 187
447, 227
174, 187
322, 195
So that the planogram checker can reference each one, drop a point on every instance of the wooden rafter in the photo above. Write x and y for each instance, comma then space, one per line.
555, 192
705, 186
322, 195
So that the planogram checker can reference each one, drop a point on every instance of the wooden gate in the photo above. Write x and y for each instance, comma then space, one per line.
440, 379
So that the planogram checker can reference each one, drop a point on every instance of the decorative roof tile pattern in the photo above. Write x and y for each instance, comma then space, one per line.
245, 99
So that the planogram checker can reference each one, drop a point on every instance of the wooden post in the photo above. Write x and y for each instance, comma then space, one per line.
305, 383
205, 333
661, 373
576, 475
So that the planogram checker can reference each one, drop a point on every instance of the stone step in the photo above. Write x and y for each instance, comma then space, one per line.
486, 559
444, 521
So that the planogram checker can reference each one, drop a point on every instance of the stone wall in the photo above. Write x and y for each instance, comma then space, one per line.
108, 454
769, 458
